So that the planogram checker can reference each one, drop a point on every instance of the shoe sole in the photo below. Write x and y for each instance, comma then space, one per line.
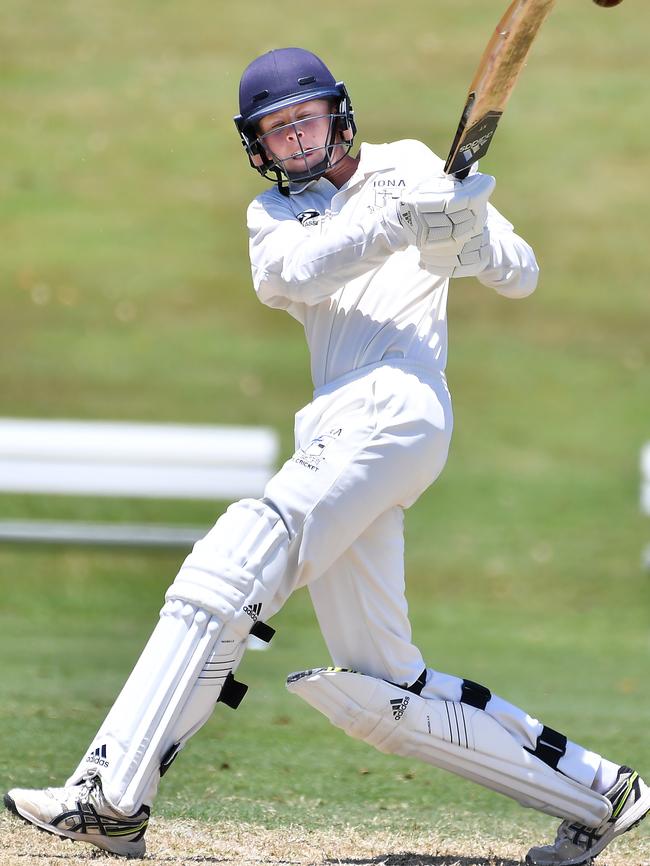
136, 852
631, 819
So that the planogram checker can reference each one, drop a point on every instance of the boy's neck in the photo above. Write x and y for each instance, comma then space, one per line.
342, 171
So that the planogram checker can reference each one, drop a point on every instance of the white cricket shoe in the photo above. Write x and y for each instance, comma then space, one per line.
576, 844
80, 812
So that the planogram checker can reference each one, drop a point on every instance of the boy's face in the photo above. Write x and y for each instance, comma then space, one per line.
297, 136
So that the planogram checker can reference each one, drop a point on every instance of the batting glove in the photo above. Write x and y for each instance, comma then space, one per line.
438, 211
468, 260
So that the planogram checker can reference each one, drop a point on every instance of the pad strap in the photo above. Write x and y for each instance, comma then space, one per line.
550, 748
419, 684
232, 692
475, 695
415, 688
262, 631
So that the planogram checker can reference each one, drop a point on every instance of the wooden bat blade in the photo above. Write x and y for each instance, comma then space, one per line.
494, 80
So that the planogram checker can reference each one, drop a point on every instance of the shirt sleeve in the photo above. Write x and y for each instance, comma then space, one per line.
292, 263
513, 269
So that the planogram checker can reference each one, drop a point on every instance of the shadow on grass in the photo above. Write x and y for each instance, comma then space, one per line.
97, 855
406, 859
410, 859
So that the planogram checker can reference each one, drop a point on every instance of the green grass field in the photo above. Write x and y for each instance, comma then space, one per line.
125, 294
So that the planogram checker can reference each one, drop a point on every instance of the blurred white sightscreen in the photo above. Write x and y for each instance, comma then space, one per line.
106, 458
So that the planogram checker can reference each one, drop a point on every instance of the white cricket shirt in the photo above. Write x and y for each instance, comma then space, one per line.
322, 255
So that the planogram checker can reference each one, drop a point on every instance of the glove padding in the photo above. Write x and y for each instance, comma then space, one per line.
438, 211
467, 260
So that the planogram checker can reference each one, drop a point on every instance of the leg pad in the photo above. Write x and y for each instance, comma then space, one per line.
454, 736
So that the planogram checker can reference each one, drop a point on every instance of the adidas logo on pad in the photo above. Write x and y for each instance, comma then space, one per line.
253, 610
98, 756
398, 706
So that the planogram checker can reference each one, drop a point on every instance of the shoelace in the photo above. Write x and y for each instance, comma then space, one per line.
579, 835
89, 782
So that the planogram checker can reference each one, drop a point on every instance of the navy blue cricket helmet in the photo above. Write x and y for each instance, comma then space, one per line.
282, 78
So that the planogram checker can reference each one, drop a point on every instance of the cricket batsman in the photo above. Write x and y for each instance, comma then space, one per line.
360, 249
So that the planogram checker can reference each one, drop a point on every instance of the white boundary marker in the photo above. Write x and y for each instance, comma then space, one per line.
123, 459
645, 479
645, 494
108, 534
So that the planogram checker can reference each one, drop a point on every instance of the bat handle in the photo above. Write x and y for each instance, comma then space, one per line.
462, 174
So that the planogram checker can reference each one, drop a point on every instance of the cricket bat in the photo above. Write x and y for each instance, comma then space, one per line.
493, 82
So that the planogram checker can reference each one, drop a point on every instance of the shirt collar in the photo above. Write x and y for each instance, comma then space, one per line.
372, 158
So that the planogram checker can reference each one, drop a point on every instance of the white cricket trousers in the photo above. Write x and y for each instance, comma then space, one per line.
366, 448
